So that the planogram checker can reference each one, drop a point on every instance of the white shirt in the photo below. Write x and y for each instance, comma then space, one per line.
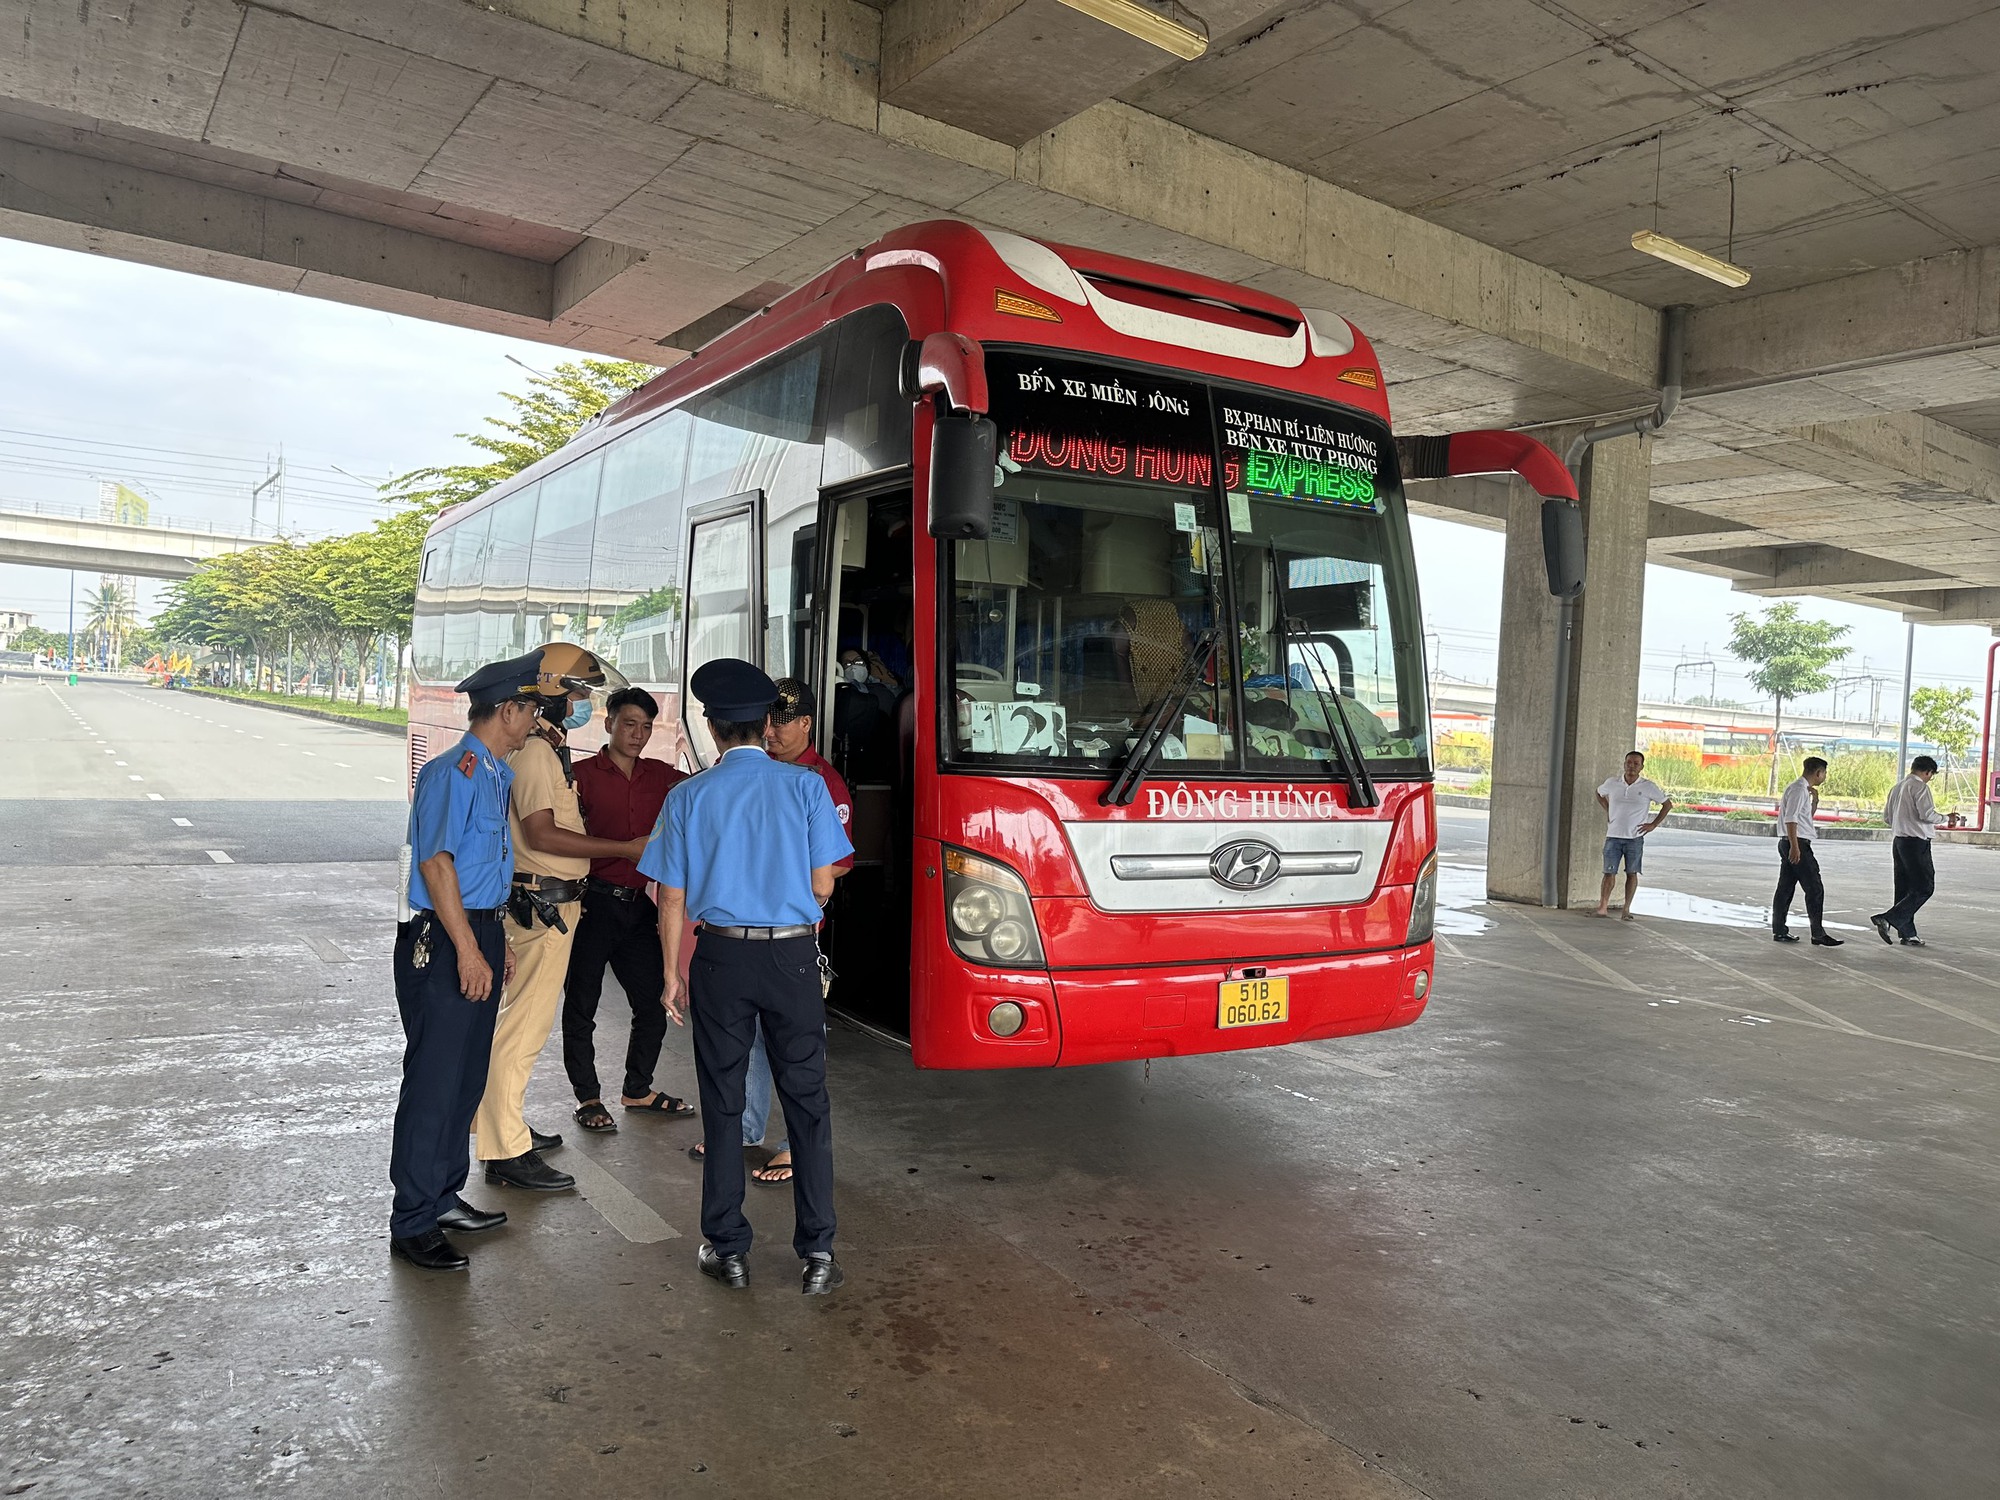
1631, 804
1910, 811
1796, 807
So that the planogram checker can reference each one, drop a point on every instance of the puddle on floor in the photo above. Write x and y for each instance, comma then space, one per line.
1463, 887
1460, 888
1679, 906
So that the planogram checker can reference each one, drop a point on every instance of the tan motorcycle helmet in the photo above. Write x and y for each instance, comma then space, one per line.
568, 669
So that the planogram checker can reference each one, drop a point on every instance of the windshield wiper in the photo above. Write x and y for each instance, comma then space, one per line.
1146, 749
1344, 742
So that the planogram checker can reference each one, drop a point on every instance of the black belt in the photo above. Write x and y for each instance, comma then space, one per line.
760, 934
472, 914
614, 890
550, 887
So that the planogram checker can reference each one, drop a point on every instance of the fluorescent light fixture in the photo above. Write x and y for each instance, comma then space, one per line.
1651, 242
1138, 19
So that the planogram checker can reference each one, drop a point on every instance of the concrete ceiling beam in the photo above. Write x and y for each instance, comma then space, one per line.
1980, 606
1817, 569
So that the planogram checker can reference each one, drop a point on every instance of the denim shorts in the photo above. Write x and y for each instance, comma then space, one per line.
1632, 851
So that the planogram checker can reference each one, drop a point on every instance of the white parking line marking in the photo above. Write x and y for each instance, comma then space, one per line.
182, 823
620, 1207
154, 797
120, 763
343, 765
218, 856
135, 778
328, 950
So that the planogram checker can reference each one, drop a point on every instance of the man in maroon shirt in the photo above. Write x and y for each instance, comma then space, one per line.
619, 788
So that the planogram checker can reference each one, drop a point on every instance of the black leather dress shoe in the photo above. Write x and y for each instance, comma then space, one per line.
1828, 940
528, 1171
733, 1271
465, 1219
1913, 941
539, 1142
822, 1276
1784, 937
432, 1251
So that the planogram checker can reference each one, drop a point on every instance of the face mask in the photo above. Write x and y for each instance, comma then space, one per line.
855, 672
578, 716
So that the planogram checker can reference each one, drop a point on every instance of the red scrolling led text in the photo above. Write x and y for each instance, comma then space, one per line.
1080, 454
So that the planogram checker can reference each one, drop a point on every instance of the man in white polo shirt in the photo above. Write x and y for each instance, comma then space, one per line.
1627, 801
1798, 869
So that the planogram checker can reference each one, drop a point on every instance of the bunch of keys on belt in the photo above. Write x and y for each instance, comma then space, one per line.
420, 955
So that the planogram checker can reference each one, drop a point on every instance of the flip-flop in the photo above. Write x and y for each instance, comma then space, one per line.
660, 1104
783, 1166
594, 1116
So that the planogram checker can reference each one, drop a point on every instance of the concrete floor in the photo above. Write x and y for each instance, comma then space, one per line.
1637, 1209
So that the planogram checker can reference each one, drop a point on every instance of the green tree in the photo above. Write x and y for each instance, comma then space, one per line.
1787, 657
34, 638
550, 413
110, 615
1945, 718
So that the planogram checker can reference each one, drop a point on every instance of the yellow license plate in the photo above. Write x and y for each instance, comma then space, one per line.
1254, 1002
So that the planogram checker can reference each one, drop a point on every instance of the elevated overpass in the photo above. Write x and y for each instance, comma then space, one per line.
1461, 181
52, 537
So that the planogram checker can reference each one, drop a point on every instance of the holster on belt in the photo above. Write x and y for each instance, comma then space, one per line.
525, 904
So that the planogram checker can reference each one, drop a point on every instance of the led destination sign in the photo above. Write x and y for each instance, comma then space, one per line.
1060, 417
1300, 453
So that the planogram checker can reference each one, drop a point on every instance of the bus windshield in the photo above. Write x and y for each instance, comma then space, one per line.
1137, 512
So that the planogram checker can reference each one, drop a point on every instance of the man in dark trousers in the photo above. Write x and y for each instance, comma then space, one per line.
451, 959
748, 849
1798, 867
1911, 814
621, 793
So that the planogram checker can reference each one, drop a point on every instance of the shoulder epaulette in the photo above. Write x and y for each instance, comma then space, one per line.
468, 763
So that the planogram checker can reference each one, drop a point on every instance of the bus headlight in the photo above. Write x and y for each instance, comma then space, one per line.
987, 915
1423, 905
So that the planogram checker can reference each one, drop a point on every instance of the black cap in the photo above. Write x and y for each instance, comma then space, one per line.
732, 690
795, 700
498, 681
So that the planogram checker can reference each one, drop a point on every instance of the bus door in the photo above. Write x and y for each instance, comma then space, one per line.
863, 686
725, 599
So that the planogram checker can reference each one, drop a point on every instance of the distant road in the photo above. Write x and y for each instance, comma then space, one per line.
113, 772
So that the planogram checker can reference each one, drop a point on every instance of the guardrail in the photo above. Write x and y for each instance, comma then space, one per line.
51, 510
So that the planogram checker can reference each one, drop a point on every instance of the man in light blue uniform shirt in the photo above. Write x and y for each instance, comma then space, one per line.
747, 849
451, 959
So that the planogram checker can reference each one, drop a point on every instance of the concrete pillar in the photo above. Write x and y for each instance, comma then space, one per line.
1604, 675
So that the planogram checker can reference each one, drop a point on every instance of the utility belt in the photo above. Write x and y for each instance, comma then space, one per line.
540, 898
472, 914
760, 934
611, 888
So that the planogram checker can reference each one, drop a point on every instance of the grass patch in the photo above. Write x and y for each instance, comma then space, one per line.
318, 707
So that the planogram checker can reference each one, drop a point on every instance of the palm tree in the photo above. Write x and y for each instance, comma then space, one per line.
111, 614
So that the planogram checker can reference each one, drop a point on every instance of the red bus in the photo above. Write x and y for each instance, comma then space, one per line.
1101, 573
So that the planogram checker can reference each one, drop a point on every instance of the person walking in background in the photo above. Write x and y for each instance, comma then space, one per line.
1627, 800
1798, 868
1912, 816
621, 793
747, 849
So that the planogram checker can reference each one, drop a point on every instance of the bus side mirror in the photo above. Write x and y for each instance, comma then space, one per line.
1562, 547
964, 452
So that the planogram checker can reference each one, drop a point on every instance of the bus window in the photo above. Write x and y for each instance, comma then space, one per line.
502, 629
558, 595
868, 416
427, 625
461, 601
635, 585
724, 578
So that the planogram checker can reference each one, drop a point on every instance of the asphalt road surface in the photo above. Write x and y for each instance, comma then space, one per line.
1637, 1209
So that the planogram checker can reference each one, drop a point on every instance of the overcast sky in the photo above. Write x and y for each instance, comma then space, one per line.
186, 386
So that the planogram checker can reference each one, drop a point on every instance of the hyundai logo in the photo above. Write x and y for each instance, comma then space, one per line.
1246, 865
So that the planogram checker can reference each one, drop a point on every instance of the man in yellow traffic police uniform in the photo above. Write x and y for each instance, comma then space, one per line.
552, 855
